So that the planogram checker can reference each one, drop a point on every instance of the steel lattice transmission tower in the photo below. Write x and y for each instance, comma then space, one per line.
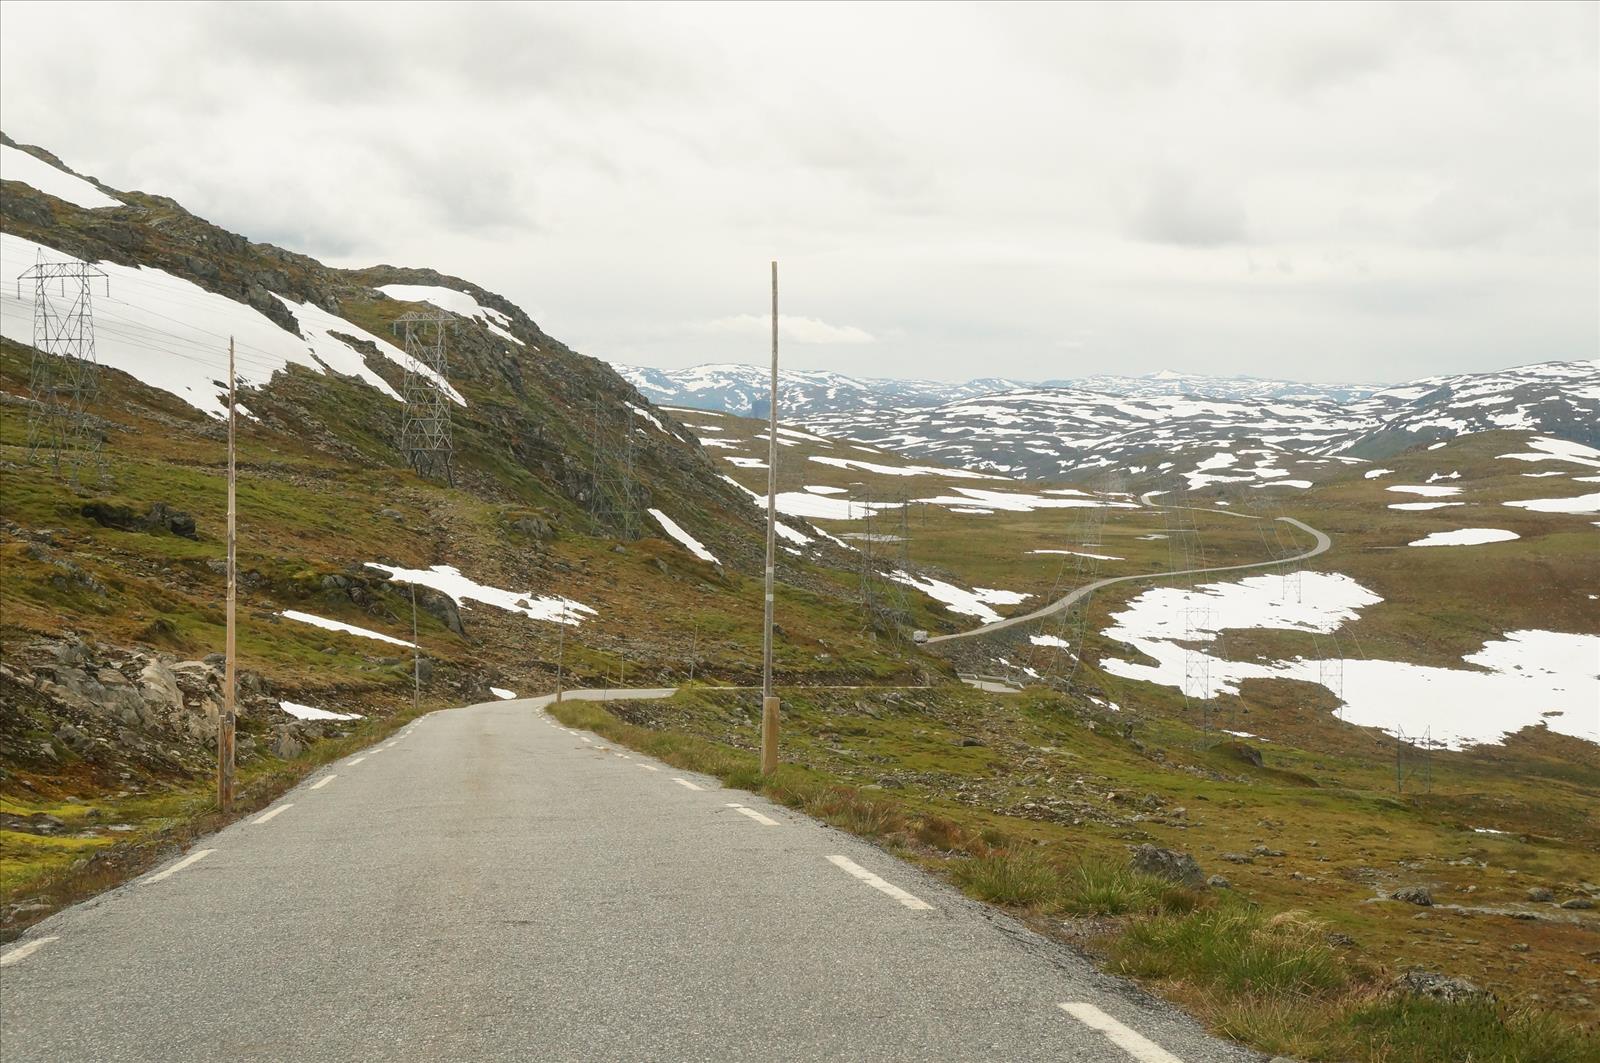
425, 428
63, 376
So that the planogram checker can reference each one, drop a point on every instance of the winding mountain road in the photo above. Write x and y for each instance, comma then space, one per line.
1322, 542
491, 885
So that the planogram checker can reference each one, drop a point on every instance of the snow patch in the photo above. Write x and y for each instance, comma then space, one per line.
311, 712
686, 540
336, 625
447, 579
1466, 537
18, 165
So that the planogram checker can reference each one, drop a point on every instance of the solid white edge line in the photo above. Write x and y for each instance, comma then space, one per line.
1130, 1041
275, 812
765, 821
26, 949
325, 780
193, 858
686, 782
850, 867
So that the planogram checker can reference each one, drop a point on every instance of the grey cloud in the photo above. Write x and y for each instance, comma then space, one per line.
1410, 188
1177, 208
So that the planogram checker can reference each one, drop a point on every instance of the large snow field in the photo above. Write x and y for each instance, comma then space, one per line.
1437, 491
448, 580
1547, 449
173, 335
338, 625
18, 165
683, 538
1527, 678
1575, 504
1466, 537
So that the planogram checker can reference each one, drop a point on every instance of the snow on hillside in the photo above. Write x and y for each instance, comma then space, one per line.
18, 165
453, 301
173, 335
683, 538
1529, 678
339, 625
448, 579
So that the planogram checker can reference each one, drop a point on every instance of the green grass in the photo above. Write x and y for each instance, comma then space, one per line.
1235, 948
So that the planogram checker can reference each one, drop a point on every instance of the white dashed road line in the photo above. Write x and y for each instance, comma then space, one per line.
587, 739
23, 951
325, 780
649, 767
193, 858
849, 866
280, 810
1135, 1044
358, 760
765, 821
686, 782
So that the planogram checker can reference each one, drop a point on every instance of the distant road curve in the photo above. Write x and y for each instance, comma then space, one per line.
1322, 544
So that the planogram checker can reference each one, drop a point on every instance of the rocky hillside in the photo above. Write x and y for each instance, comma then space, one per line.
585, 526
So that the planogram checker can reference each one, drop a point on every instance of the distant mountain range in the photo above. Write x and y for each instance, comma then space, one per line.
1160, 425
742, 389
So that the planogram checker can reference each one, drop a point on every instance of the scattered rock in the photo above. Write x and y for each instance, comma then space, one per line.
285, 744
1418, 895
1170, 864
38, 823
1578, 904
1422, 983
1217, 882
1238, 858
1541, 894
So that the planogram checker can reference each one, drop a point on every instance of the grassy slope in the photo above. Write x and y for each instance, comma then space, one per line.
307, 514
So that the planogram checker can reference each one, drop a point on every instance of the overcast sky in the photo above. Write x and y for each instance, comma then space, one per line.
1315, 192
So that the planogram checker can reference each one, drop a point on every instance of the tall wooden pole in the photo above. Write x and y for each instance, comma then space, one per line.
230, 671
561, 649
416, 657
769, 701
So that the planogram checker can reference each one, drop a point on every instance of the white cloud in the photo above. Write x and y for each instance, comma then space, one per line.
1413, 183
799, 329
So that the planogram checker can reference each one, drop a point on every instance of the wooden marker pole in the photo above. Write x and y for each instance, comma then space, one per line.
230, 669
416, 657
769, 700
561, 650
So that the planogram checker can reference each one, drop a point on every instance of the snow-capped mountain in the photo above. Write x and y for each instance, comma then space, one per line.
1159, 425
742, 389
1072, 431
1235, 388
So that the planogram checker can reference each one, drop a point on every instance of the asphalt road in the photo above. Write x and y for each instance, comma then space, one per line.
1322, 542
492, 886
